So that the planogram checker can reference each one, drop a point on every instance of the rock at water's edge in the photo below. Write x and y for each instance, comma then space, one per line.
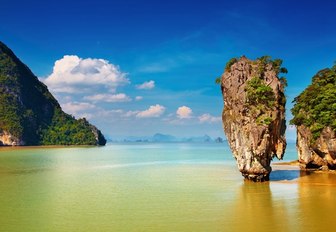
7, 139
319, 154
100, 139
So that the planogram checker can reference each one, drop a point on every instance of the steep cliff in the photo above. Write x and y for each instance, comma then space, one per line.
254, 113
315, 119
30, 115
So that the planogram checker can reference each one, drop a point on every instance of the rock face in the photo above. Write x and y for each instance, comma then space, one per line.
6, 139
254, 114
99, 137
30, 115
314, 114
320, 154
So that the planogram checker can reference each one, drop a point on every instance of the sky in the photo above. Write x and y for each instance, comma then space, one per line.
135, 68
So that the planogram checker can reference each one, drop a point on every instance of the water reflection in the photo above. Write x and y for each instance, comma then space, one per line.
317, 201
281, 175
253, 208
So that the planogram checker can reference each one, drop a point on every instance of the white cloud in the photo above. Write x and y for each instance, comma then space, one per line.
120, 97
131, 113
208, 118
73, 107
71, 74
138, 98
184, 112
103, 113
78, 109
146, 85
152, 112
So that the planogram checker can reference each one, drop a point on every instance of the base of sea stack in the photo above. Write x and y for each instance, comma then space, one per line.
317, 167
256, 177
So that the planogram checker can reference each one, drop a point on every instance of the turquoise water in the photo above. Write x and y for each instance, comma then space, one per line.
155, 187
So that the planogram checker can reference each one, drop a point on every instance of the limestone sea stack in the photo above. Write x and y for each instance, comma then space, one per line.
254, 113
315, 120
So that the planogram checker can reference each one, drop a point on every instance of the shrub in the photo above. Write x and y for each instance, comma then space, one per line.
259, 93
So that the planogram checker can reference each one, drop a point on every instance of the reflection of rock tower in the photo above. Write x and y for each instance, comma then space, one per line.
254, 114
256, 199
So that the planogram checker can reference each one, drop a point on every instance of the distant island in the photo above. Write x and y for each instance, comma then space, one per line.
166, 138
29, 113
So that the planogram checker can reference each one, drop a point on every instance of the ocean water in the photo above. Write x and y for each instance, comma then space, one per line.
156, 187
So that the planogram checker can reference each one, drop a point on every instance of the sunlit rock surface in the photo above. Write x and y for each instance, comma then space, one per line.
254, 126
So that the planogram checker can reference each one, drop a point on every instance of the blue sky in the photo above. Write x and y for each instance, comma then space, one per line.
149, 66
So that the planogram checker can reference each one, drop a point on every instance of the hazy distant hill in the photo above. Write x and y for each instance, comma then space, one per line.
163, 138
166, 138
201, 139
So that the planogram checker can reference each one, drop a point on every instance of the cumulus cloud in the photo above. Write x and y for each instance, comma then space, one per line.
120, 97
73, 74
131, 113
78, 109
184, 112
146, 85
103, 113
73, 107
152, 112
208, 118
138, 98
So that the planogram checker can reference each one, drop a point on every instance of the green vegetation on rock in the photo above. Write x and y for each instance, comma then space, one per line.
66, 130
260, 96
31, 114
230, 63
315, 107
276, 65
260, 100
218, 80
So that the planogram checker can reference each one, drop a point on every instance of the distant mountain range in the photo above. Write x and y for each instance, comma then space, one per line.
166, 138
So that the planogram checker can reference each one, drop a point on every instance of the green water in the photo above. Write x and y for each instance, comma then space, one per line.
155, 187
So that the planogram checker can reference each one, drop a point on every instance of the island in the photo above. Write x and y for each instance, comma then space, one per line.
314, 114
29, 113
